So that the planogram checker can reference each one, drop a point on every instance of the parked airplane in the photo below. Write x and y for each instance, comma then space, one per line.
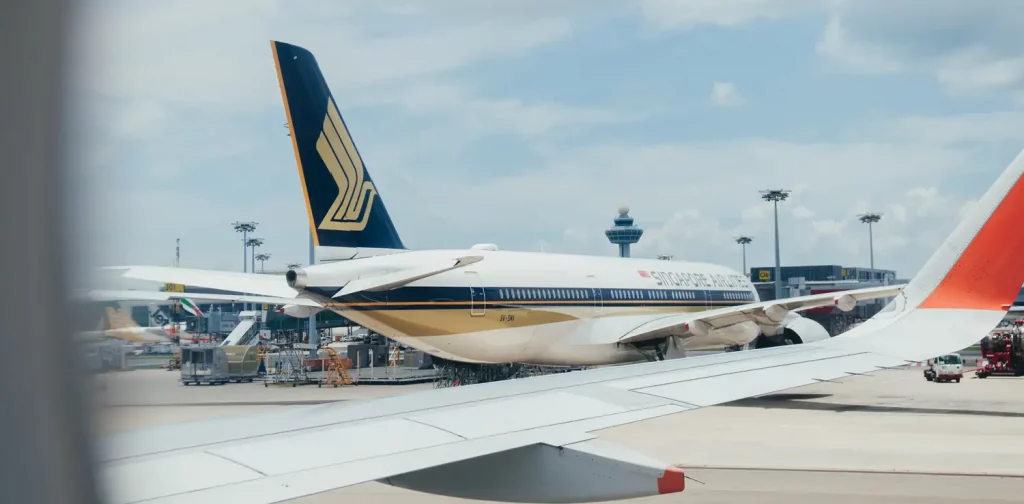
118, 324
534, 439
483, 305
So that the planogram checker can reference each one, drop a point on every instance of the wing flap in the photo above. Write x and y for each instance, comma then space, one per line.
730, 387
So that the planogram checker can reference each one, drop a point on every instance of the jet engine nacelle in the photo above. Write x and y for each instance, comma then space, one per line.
794, 330
299, 311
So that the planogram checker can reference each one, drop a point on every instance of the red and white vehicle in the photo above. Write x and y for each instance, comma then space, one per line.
949, 367
1002, 352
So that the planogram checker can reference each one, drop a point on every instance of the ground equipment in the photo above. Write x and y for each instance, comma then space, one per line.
949, 367
1002, 352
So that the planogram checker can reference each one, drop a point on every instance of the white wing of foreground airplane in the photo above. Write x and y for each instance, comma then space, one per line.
534, 439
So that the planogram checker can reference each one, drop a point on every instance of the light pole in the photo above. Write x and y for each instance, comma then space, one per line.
743, 241
262, 257
870, 218
245, 228
254, 242
775, 196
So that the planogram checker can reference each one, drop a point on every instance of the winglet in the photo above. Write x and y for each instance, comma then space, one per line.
979, 266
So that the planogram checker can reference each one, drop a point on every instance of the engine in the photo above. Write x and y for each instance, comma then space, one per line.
793, 330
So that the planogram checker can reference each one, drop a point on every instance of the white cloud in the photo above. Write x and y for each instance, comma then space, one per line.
725, 94
969, 48
171, 89
686, 14
802, 212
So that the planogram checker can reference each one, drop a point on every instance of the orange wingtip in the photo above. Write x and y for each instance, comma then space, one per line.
672, 481
989, 273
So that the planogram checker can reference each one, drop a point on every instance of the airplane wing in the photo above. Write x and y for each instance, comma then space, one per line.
250, 283
136, 295
765, 313
535, 439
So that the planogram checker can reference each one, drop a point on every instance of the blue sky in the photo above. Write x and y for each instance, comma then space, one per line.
527, 124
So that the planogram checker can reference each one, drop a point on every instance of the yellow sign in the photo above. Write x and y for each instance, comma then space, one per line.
845, 273
764, 275
173, 287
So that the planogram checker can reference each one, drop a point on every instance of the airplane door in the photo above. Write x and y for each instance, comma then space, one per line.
595, 294
477, 298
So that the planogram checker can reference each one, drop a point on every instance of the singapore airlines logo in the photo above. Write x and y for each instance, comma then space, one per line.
347, 213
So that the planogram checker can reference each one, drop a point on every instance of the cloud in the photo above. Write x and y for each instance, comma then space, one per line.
802, 212
180, 109
687, 14
968, 48
725, 94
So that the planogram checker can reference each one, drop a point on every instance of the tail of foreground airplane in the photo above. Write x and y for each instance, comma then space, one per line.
344, 207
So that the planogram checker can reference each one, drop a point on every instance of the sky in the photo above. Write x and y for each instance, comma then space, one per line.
527, 124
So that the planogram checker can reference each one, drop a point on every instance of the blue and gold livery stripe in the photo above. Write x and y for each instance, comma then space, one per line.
408, 298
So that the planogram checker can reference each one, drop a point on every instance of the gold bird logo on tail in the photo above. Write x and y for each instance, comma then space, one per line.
338, 153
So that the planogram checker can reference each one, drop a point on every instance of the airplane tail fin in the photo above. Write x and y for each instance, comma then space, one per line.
979, 267
117, 318
344, 206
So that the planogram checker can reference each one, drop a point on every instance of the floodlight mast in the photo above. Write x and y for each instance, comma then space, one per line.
870, 219
245, 228
744, 241
775, 196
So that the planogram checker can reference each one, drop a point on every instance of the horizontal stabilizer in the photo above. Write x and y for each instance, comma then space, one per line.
399, 278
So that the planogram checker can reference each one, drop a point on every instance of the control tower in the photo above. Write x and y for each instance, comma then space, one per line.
624, 233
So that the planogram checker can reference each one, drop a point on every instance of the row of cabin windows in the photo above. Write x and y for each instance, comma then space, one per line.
615, 294
737, 295
651, 294
545, 294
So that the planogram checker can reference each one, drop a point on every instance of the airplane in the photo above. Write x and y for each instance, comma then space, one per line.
536, 439
120, 325
483, 305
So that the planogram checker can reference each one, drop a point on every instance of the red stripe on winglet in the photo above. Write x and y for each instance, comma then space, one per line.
990, 271
672, 481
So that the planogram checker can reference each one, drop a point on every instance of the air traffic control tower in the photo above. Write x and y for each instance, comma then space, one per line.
624, 233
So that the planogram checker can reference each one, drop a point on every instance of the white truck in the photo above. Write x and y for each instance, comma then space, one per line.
945, 368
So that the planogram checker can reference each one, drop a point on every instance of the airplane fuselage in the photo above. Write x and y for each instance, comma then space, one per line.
531, 307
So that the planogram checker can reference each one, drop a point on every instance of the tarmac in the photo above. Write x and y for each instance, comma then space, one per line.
887, 438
